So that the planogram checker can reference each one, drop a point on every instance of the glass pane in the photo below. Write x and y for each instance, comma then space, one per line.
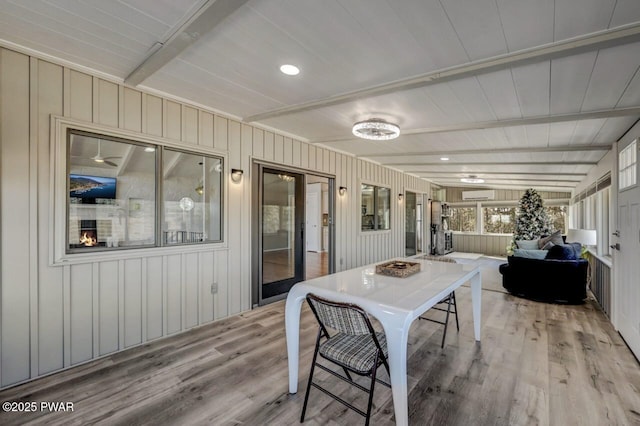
368, 206
111, 200
410, 224
383, 206
462, 219
278, 227
192, 198
499, 220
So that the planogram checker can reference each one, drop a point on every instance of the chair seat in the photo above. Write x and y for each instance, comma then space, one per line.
355, 352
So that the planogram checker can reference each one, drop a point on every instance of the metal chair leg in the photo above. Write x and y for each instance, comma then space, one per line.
313, 366
373, 384
455, 309
446, 322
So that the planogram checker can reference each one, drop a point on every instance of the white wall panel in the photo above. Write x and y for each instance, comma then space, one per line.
81, 319
154, 296
108, 305
173, 282
191, 290
14, 202
50, 280
131, 110
132, 295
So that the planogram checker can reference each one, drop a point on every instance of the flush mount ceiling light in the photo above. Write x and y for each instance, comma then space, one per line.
444, 158
289, 69
472, 179
376, 130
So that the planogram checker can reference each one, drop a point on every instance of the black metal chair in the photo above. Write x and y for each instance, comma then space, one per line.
355, 347
449, 300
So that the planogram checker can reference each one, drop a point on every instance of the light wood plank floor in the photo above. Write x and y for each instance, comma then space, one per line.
538, 364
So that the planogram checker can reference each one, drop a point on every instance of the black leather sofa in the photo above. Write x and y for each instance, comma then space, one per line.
547, 280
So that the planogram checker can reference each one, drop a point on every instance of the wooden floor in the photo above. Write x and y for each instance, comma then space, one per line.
317, 264
538, 364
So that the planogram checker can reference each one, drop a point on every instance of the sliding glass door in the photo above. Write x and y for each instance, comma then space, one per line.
281, 231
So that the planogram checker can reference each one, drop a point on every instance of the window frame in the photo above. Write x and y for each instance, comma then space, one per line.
376, 186
475, 208
59, 169
632, 148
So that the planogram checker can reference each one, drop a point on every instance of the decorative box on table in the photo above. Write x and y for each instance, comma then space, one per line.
398, 268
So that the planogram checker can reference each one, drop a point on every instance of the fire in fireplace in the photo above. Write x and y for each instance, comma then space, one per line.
88, 238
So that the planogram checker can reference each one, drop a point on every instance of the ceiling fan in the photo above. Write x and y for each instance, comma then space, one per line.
98, 158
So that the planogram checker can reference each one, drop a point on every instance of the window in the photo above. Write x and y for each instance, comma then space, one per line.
627, 166
499, 220
114, 200
557, 217
191, 197
462, 219
376, 207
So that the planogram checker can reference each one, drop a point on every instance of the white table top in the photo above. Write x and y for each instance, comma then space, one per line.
412, 294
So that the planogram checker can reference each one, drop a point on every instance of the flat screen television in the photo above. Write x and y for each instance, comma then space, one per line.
92, 187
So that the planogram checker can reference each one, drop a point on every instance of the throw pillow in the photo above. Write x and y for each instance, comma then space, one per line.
561, 252
555, 238
527, 244
577, 249
530, 254
548, 246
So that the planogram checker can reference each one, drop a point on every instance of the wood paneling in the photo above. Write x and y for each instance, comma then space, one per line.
14, 202
55, 317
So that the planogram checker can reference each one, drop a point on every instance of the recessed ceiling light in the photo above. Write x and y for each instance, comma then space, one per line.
444, 158
472, 179
289, 69
149, 149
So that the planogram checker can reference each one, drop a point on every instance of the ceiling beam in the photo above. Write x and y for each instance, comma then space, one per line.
511, 122
485, 174
489, 179
573, 46
210, 14
519, 163
562, 188
491, 151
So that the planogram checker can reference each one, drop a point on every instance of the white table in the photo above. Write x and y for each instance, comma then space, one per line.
395, 302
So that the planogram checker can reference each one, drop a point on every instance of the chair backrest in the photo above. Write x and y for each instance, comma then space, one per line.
346, 318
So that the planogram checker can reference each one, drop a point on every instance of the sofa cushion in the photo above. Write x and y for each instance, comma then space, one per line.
527, 244
555, 238
561, 252
530, 254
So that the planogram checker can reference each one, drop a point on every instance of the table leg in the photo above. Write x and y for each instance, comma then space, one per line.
292, 328
397, 338
476, 300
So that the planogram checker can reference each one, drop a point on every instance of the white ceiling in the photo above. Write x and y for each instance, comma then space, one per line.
543, 122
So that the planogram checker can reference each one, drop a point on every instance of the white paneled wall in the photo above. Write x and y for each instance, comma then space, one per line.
57, 316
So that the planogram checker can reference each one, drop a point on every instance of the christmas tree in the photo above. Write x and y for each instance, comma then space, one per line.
532, 220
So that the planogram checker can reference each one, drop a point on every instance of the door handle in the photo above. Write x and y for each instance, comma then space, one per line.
615, 246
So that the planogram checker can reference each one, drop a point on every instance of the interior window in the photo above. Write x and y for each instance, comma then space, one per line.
113, 201
376, 207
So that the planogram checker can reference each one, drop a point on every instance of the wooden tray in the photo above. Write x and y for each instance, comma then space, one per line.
398, 268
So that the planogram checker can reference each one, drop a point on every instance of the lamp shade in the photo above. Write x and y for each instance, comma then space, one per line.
586, 237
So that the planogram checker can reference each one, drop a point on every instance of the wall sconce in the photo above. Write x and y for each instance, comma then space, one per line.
342, 190
236, 175
400, 197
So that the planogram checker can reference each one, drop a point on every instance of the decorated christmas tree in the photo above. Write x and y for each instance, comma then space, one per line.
532, 220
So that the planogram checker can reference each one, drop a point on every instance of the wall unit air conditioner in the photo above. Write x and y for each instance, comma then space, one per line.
489, 194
